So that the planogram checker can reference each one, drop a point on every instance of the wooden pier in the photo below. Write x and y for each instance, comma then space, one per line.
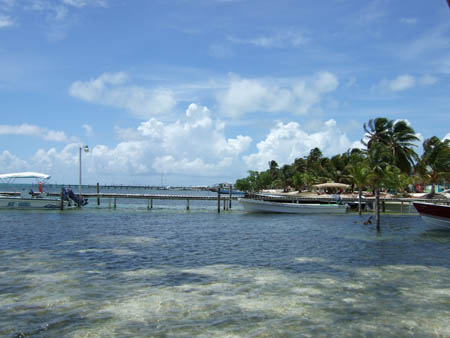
224, 201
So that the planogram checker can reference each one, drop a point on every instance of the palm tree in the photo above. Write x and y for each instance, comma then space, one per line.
401, 142
359, 174
398, 136
378, 156
388, 142
434, 164
376, 131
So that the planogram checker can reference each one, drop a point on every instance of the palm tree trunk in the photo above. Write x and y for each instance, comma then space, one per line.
377, 208
359, 200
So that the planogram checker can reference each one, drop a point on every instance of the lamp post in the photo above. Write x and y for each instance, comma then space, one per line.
86, 150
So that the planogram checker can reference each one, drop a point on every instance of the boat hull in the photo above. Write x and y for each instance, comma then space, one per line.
254, 205
435, 215
30, 203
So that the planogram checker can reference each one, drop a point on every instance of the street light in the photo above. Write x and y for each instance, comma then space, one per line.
86, 150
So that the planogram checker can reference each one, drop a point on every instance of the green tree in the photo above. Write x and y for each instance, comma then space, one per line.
395, 180
378, 156
434, 164
398, 136
359, 174
388, 142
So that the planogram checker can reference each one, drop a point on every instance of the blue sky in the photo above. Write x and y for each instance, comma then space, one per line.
200, 91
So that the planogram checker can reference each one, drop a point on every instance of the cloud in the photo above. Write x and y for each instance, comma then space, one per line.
83, 3
57, 11
406, 81
87, 129
198, 137
244, 95
5, 21
432, 46
31, 130
110, 89
286, 142
11, 163
446, 137
194, 146
278, 40
235, 96
56, 14
427, 80
409, 21
371, 13
400, 83
220, 51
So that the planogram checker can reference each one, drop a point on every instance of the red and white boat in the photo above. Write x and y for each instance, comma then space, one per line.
434, 214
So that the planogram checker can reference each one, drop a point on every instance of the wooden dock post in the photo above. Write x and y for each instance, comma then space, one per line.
62, 199
224, 203
187, 204
115, 202
218, 201
98, 192
383, 206
109, 203
231, 193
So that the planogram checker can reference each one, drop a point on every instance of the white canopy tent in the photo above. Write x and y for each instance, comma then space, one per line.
331, 185
28, 174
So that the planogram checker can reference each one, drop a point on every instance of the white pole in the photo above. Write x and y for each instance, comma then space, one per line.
79, 168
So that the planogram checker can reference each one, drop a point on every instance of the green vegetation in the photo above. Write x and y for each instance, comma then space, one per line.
388, 161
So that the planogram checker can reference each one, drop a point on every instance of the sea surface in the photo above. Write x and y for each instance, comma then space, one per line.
168, 272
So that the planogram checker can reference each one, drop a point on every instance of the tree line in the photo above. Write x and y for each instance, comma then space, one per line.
387, 161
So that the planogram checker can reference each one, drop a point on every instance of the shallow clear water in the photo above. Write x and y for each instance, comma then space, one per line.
169, 272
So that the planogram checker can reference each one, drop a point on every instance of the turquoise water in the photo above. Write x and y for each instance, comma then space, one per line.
175, 273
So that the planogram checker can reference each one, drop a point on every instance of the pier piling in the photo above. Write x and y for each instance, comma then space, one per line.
62, 199
98, 194
218, 202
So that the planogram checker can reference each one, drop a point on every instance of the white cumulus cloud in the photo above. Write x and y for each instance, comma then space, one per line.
400, 83
244, 95
111, 89
32, 130
11, 163
286, 142
191, 147
407, 81
198, 137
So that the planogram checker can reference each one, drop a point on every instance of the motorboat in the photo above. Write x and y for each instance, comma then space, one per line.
434, 214
291, 207
27, 198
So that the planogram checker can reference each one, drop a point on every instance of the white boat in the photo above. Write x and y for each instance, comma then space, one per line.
27, 199
434, 214
259, 205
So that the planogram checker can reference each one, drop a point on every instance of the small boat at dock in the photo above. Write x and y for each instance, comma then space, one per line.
434, 214
291, 207
27, 198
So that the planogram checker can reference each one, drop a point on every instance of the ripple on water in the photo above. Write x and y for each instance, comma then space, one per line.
108, 273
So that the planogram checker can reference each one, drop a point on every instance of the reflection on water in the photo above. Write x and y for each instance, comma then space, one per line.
122, 273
